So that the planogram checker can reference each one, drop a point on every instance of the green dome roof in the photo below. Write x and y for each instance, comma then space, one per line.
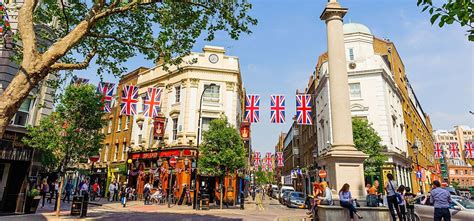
356, 28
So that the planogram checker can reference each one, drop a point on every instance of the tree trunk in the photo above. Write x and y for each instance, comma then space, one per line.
18, 89
58, 200
222, 192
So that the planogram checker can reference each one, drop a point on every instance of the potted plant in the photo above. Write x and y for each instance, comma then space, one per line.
32, 200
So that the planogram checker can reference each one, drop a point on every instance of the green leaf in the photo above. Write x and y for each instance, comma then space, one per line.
424, 8
434, 17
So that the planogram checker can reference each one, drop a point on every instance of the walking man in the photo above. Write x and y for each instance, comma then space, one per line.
111, 191
441, 199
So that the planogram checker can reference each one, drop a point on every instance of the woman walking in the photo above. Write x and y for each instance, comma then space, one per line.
345, 198
392, 198
44, 190
402, 203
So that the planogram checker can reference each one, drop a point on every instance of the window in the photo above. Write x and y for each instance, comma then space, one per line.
351, 54
456, 171
465, 172
119, 123
106, 152
212, 93
205, 123
116, 153
124, 150
354, 90
175, 128
177, 94
21, 116
127, 119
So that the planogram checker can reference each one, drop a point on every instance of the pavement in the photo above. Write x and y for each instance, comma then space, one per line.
136, 210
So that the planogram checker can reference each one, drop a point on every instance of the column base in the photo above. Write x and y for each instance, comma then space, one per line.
345, 165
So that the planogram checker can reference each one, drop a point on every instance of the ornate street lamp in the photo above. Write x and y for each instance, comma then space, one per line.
415, 152
198, 139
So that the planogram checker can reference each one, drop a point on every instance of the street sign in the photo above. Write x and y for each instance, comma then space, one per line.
322, 174
418, 174
173, 161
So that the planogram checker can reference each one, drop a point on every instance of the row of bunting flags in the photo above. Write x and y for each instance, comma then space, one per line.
266, 164
152, 103
277, 109
453, 150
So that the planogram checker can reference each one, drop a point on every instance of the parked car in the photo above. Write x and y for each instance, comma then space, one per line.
283, 190
462, 209
274, 191
296, 200
285, 196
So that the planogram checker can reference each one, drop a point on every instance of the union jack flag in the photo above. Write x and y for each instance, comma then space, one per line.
453, 150
277, 109
269, 161
252, 108
303, 109
78, 81
152, 102
5, 21
280, 159
469, 148
107, 91
438, 151
256, 159
128, 106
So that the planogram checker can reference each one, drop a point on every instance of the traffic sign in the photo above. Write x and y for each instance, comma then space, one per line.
173, 161
322, 174
418, 174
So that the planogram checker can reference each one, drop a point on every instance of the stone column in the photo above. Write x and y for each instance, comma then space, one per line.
343, 161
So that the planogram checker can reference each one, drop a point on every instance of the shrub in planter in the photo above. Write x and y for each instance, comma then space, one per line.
32, 200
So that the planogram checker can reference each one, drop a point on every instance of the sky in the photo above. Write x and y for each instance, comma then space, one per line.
282, 52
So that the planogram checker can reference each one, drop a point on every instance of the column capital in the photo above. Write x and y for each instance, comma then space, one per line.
332, 11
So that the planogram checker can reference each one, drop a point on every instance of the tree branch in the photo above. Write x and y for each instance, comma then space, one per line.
119, 40
75, 66
26, 30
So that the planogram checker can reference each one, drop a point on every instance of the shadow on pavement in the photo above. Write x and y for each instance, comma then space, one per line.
166, 216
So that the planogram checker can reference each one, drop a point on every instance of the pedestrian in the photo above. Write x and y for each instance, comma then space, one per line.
68, 190
44, 190
392, 198
111, 191
242, 199
259, 199
116, 188
123, 195
317, 193
346, 201
252, 189
56, 190
95, 190
51, 192
367, 188
373, 195
146, 193
441, 200
410, 199
402, 203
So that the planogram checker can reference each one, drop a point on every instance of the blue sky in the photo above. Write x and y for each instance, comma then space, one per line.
281, 54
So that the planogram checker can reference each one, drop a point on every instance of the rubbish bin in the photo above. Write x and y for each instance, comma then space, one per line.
85, 203
204, 204
76, 206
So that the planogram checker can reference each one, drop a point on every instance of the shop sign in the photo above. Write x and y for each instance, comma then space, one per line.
245, 130
100, 170
159, 126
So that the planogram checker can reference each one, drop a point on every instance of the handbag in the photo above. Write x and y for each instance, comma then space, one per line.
372, 201
398, 195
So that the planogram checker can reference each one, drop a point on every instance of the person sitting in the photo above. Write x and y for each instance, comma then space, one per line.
327, 199
373, 195
345, 198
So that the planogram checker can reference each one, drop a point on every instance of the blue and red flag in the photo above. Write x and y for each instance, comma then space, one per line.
469, 148
453, 150
252, 108
438, 151
152, 102
303, 109
107, 91
128, 105
277, 109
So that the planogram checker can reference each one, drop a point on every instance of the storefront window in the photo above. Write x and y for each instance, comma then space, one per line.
21, 116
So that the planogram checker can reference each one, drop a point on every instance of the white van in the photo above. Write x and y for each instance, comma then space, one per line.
283, 190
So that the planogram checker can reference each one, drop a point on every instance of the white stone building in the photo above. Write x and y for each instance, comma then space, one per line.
182, 89
373, 96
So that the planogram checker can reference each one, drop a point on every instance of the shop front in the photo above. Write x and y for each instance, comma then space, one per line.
168, 169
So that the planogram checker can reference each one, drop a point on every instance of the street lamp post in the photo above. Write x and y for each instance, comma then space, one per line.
197, 144
415, 151
129, 164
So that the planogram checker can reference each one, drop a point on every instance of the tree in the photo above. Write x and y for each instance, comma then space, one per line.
108, 32
71, 133
460, 11
222, 151
368, 141
263, 177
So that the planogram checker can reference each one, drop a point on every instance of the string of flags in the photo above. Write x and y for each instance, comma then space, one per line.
453, 150
267, 163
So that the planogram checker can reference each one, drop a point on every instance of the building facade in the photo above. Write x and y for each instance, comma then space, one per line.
19, 164
459, 171
375, 96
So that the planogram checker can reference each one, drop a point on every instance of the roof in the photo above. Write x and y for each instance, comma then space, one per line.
356, 28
